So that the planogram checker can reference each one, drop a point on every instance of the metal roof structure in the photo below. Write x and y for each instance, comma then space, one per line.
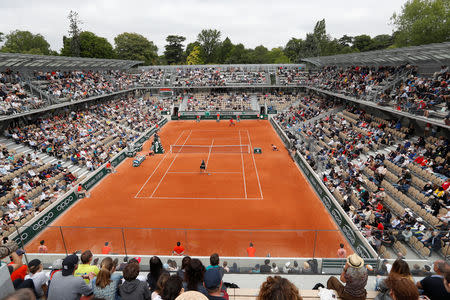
432, 53
247, 67
36, 62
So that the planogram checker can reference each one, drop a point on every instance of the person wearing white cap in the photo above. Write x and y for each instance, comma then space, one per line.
286, 267
354, 275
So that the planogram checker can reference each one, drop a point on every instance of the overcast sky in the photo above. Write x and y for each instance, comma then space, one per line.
251, 22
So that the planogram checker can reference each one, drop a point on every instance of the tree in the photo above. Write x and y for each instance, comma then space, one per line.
346, 41
277, 56
209, 40
422, 22
293, 49
174, 49
260, 55
91, 45
26, 42
224, 51
74, 33
133, 46
381, 41
194, 57
238, 55
362, 42
1, 36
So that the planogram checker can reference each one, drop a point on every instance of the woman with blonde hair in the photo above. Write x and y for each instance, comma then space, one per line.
105, 285
278, 288
401, 288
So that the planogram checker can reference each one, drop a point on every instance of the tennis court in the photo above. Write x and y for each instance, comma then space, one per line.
242, 197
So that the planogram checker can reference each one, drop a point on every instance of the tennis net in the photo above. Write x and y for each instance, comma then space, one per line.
208, 149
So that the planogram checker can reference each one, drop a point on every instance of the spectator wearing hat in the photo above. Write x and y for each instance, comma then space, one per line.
56, 267
132, 288
354, 276
66, 286
213, 284
39, 278
433, 286
191, 295
85, 268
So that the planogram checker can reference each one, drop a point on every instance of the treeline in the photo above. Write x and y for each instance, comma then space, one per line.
420, 22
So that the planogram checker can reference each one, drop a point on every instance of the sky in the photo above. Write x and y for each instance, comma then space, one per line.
251, 22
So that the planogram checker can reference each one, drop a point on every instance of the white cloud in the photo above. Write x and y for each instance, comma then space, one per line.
251, 22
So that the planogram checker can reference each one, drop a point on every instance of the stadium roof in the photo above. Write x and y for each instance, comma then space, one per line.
431, 53
29, 61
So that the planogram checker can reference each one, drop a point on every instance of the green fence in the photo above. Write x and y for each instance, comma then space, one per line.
45, 219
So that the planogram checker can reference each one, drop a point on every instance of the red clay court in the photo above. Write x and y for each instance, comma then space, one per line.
243, 197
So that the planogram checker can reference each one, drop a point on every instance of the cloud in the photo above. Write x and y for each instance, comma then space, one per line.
251, 22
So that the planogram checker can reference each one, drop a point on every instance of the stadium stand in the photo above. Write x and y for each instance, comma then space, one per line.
218, 101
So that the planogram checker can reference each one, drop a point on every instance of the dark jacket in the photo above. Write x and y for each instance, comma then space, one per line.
134, 290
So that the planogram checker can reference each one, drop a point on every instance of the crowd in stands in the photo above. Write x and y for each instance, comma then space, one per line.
396, 196
151, 77
289, 76
74, 277
218, 101
276, 101
89, 137
75, 85
399, 87
216, 76
13, 97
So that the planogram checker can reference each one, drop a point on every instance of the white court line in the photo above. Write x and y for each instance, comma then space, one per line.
176, 155
209, 154
256, 169
209, 172
199, 198
157, 166
242, 162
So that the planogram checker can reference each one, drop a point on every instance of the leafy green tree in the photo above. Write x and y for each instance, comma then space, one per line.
260, 55
174, 49
194, 57
209, 39
191, 47
294, 49
91, 45
74, 33
133, 46
346, 41
381, 41
238, 55
224, 51
422, 22
25, 42
362, 42
277, 56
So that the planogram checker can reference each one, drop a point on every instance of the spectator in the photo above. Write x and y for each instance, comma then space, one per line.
434, 242
213, 284
106, 283
22, 294
156, 295
266, 267
38, 276
402, 288
42, 248
191, 295
194, 277
19, 269
433, 285
278, 288
156, 269
354, 276
184, 262
274, 269
173, 288
399, 269
341, 253
85, 268
250, 250
287, 267
132, 288
225, 267
447, 281
178, 250
56, 267
66, 286
214, 262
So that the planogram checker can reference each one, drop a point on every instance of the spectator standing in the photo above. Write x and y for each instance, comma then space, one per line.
132, 288
66, 286
178, 250
251, 250
354, 276
85, 268
433, 285
341, 253
42, 248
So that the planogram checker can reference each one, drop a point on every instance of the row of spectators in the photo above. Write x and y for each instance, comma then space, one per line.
13, 96
399, 87
72, 277
218, 101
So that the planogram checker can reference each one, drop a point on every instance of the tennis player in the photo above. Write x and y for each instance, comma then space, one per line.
202, 166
